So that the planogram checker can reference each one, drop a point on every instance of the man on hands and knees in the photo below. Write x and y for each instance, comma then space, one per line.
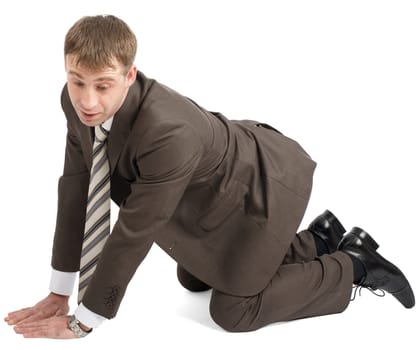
224, 198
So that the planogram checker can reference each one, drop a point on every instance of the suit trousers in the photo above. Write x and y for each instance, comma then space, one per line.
304, 285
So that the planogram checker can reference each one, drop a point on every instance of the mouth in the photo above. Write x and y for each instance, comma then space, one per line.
88, 116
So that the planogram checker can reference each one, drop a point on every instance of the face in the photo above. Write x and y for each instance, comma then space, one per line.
97, 95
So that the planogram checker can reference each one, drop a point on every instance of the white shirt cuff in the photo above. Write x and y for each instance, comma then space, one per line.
62, 283
87, 317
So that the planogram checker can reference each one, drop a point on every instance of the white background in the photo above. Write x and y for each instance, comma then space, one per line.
341, 77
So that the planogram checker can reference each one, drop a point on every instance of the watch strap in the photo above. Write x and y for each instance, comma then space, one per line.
74, 326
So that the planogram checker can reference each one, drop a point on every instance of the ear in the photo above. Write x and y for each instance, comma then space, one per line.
131, 75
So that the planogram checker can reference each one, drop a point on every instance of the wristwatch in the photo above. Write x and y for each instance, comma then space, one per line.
74, 325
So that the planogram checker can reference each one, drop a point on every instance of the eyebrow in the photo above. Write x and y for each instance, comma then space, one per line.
100, 79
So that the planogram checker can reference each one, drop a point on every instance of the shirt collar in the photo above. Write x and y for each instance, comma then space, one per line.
108, 123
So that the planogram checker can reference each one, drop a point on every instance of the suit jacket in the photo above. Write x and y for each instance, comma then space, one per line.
223, 197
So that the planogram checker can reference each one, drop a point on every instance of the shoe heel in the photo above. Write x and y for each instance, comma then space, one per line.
405, 296
365, 237
335, 223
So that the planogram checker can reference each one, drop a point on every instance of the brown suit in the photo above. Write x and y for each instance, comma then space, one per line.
224, 198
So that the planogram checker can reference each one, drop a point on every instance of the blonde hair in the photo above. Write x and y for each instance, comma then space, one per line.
96, 41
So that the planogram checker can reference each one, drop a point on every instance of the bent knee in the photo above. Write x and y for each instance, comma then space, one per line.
233, 313
190, 282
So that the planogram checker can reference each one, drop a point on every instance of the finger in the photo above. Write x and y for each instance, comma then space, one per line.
55, 327
33, 326
36, 331
24, 329
21, 327
37, 323
50, 333
17, 312
33, 318
35, 314
16, 316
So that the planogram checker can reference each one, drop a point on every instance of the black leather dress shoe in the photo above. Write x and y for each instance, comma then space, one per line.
380, 273
327, 227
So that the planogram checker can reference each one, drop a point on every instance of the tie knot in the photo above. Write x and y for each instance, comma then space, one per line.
100, 133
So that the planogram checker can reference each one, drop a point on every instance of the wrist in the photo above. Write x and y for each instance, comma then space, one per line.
59, 296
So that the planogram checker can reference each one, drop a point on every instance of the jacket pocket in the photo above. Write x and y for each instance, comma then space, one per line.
222, 207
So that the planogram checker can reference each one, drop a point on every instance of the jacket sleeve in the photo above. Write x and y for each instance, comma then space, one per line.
71, 207
166, 158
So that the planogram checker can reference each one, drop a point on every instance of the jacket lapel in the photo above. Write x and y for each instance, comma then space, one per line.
89, 136
125, 117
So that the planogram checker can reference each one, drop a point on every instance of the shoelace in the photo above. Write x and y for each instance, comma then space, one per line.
370, 289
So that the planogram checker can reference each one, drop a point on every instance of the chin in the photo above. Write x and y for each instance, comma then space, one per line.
91, 123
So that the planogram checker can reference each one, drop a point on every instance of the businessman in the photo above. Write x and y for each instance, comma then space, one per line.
224, 198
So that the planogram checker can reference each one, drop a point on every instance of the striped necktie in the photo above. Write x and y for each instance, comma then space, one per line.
97, 226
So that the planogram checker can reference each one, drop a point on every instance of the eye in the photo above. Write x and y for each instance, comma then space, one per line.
102, 87
78, 83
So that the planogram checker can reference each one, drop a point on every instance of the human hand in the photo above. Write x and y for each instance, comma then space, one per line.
52, 305
55, 327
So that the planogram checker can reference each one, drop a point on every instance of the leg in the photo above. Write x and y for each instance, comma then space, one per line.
302, 249
300, 290
325, 230
190, 282
322, 237
315, 288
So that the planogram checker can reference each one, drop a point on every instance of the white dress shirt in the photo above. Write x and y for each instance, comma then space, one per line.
62, 283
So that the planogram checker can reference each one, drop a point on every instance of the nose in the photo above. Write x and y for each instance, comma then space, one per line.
89, 99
